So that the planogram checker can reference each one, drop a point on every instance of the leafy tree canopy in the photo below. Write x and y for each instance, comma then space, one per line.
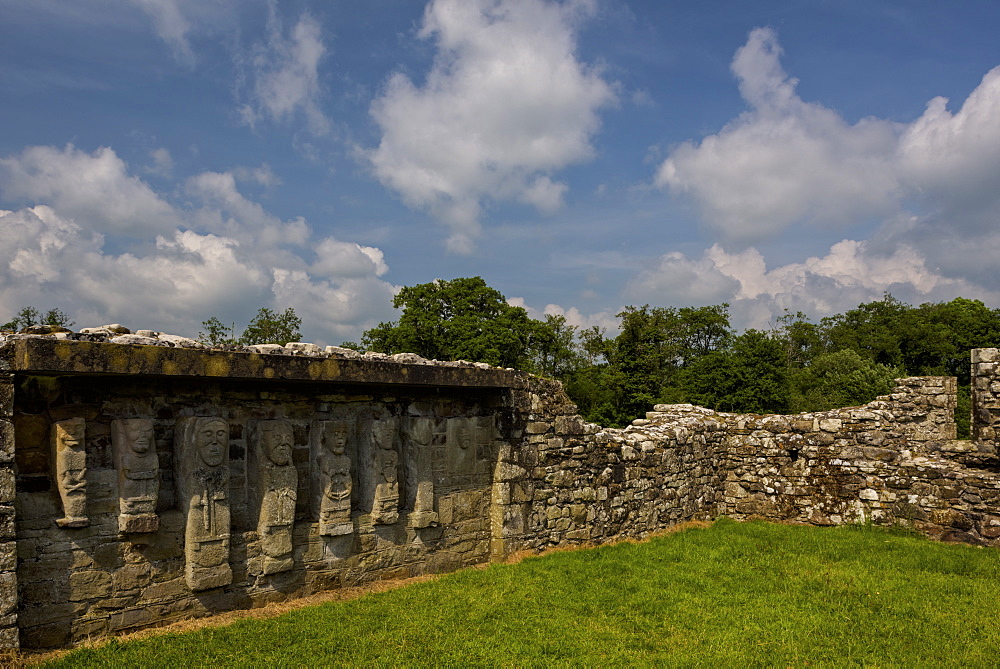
266, 327
29, 316
465, 319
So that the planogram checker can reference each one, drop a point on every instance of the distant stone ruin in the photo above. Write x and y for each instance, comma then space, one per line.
145, 478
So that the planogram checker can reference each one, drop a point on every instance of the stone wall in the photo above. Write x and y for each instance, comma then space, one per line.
156, 483
893, 460
8, 545
410, 486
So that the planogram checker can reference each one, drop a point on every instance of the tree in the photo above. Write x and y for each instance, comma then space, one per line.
217, 333
266, 327
29, 316
461, 319
554, 349
751, 376
840, 379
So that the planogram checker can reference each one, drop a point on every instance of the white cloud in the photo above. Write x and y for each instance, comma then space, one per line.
163, 163
851, 273
602, 319
222, 254
171, 25
785, 161
93, 187
954, 159
176, 21
285, 75
505, 104
933, 183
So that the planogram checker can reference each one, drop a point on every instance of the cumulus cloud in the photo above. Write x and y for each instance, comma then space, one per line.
94, 187
223, 255
284, 74
505, 105
852, 272
933, 183
605, 320
784, 161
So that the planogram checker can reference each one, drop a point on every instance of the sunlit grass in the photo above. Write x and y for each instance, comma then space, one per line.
732, 594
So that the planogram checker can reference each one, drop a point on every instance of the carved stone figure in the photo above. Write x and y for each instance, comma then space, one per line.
421, 433
385, 506
276, 485
70, 458
202, 450
138, 474
335, 482
461, 446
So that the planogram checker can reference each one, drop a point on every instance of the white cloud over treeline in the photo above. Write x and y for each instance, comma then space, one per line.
101, 244
506, 104
786, 166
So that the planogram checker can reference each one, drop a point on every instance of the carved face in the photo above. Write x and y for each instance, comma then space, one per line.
139, 435
70, 453
422, 431
336, 438
278, 445
464, 436
211, 440
69, 434
382, 433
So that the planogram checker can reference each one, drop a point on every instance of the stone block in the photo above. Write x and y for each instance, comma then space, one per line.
538, 427
570, 425
8, 593
6, 396
6, 441
89, 584
507, 471
53, 635
985, 355
132, 576
8, 487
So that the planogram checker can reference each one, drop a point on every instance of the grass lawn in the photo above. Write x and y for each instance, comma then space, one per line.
731, 594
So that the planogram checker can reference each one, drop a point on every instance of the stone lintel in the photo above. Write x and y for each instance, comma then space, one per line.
60, 357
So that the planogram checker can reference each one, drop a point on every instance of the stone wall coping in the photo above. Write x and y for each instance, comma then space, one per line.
48, 356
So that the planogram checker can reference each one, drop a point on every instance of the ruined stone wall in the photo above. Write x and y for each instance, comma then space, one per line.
154, 484
409, 493
572, 482
892, 461
8, 545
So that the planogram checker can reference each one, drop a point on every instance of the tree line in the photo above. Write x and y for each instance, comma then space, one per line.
664, 354
693, 354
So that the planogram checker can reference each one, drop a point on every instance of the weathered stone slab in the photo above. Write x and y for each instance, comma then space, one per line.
201, 451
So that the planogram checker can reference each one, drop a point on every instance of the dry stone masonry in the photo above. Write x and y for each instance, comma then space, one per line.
145, 478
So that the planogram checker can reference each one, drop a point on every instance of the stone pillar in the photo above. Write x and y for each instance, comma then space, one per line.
201, 456
134, 446
385, 507
333, 483
421, 433
985, 395
274, 486
8, 545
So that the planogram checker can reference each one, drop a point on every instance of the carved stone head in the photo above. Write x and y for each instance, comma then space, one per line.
464, 435
422, 430
138, 434
335, 437
212, 439
277, 442
383, 432
69, 433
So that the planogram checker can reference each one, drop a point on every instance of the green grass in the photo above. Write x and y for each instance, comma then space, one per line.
732, 594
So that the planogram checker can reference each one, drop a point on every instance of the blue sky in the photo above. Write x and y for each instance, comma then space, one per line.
164, 161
